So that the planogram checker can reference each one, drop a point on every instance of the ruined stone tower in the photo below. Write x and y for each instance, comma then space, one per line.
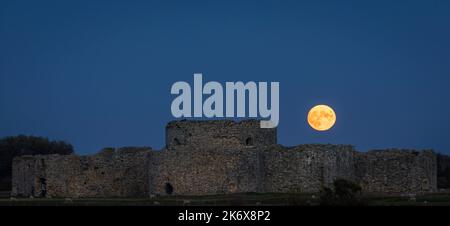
220, 133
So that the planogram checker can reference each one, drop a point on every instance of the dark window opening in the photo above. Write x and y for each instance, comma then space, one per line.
168, 188
249, 141
43, 187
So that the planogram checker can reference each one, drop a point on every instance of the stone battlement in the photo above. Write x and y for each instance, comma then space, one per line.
220, 157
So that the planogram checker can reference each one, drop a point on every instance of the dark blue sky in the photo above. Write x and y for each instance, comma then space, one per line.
97, 73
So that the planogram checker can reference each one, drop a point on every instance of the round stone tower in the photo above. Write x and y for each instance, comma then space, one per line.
218, 133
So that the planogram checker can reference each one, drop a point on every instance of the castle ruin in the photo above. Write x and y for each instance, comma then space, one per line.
221, 157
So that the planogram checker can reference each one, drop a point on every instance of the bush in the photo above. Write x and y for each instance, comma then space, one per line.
345, 193
327, 197
11, 147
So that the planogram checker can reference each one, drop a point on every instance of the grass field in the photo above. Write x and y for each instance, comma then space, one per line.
247, 199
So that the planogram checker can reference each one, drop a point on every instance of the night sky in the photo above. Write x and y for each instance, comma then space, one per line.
98, 73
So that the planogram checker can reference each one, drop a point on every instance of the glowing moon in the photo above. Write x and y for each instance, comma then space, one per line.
321, 117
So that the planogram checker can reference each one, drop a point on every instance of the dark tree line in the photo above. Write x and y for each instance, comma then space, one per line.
443, 171
11, 147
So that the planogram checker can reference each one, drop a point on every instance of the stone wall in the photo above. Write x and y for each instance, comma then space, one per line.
193, 171
397, 171
220, 157
306, 168
204, 171
111, 173
23, 176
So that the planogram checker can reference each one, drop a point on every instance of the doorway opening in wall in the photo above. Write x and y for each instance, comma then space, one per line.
169, 188
43, 187
249, 142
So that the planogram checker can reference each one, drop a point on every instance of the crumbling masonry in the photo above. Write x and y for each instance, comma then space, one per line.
219, 157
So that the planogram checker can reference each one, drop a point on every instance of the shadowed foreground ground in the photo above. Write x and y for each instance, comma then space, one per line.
251, 199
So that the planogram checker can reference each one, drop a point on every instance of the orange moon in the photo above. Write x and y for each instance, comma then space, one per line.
321, 117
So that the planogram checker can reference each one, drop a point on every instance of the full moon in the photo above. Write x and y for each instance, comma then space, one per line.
321, 117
